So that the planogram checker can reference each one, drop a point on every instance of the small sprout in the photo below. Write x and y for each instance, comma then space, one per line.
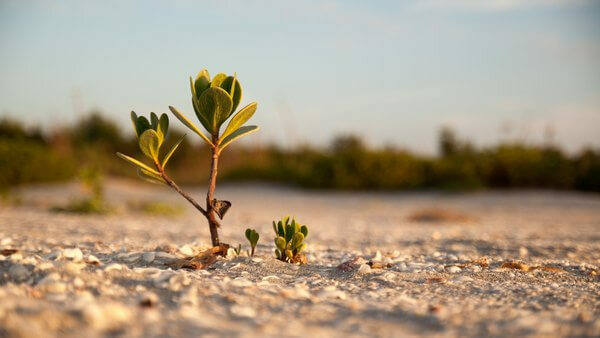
238, 249
252, 236
289, 240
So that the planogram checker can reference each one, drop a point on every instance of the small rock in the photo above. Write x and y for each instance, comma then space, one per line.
73, 268
462, 279
332, 292
378, 257
453, 269
113, 266
523, 252
132, 258
107, 316
148, 257
257, 260
74, 254
78, 283
242, 311
91, 259
165, 257
187, 250
364, 268
18, 272
6, 241
55, 287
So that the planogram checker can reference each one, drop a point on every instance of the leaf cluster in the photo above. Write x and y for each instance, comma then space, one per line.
214, 102
252, 236
289, 240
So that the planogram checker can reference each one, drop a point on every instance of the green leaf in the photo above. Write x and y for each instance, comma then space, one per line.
141, 125
150, 177
275, 228
304, 230
280, 243
149, 144
218, 79
239, 119
297, 240
137, 163
234, 91
254, 237
248, 233
215, 105
280, 229
289, 232
171, 151
134, 118
202, 82
190, 125
200, 115
162, 127
153, 120
242, 131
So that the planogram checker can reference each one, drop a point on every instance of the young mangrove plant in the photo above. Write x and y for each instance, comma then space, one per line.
252, 236
289, 240
214, 101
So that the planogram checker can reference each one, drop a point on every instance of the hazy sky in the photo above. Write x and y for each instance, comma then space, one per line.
391, 71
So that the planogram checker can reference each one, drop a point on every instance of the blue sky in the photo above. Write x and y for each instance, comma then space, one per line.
391, 71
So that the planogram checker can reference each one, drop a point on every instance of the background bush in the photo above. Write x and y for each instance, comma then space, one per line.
30, 156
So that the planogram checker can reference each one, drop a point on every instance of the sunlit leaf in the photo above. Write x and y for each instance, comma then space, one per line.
190, 125
150, 177
218, 79
149, 144
202, 82
239, 119
137, 163
215, 104
153, 120
162, 127
170, 153
141, 125
234, 92
245, 130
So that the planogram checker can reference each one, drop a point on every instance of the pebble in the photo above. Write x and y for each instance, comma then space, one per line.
113, 267
364, 268
6, 241
91, 259
332, 292
257, 260
73, 254
55, 287
242, 311
453, 269
148, 257
378, 257
165, 257
106, 316
18, 272
462, 279
187, 250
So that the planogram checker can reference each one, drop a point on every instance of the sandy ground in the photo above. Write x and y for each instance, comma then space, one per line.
85, 276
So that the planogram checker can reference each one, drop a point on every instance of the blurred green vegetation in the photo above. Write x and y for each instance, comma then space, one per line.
28, 155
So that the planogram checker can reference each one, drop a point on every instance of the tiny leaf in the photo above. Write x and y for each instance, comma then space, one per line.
150, 177
234, 91
190, 125
215, 104
149, 144
171, 151
202, 82
218, 79
141, 125
137, 163
153, 120
242, 131
162, 127
239, 119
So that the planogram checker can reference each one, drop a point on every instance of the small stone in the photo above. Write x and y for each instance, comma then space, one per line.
187, 250
453, 269
148, 257
132, 258
107, 316
523, 252
6, 241
364, 268
91, 259
78, 283
73, 268
73, 254
165, 257
55, 287
332, 292
18, 272
113, 267
554, 285
242, 311
378, 257
231, 253
257, 260
462, 279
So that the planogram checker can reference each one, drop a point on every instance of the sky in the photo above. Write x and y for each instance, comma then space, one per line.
392, 72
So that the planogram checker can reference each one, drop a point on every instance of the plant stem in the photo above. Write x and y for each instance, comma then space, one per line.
213, 223
176, 187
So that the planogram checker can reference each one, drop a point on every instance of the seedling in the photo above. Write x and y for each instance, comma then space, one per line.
214, 101
289, 240
252, 236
